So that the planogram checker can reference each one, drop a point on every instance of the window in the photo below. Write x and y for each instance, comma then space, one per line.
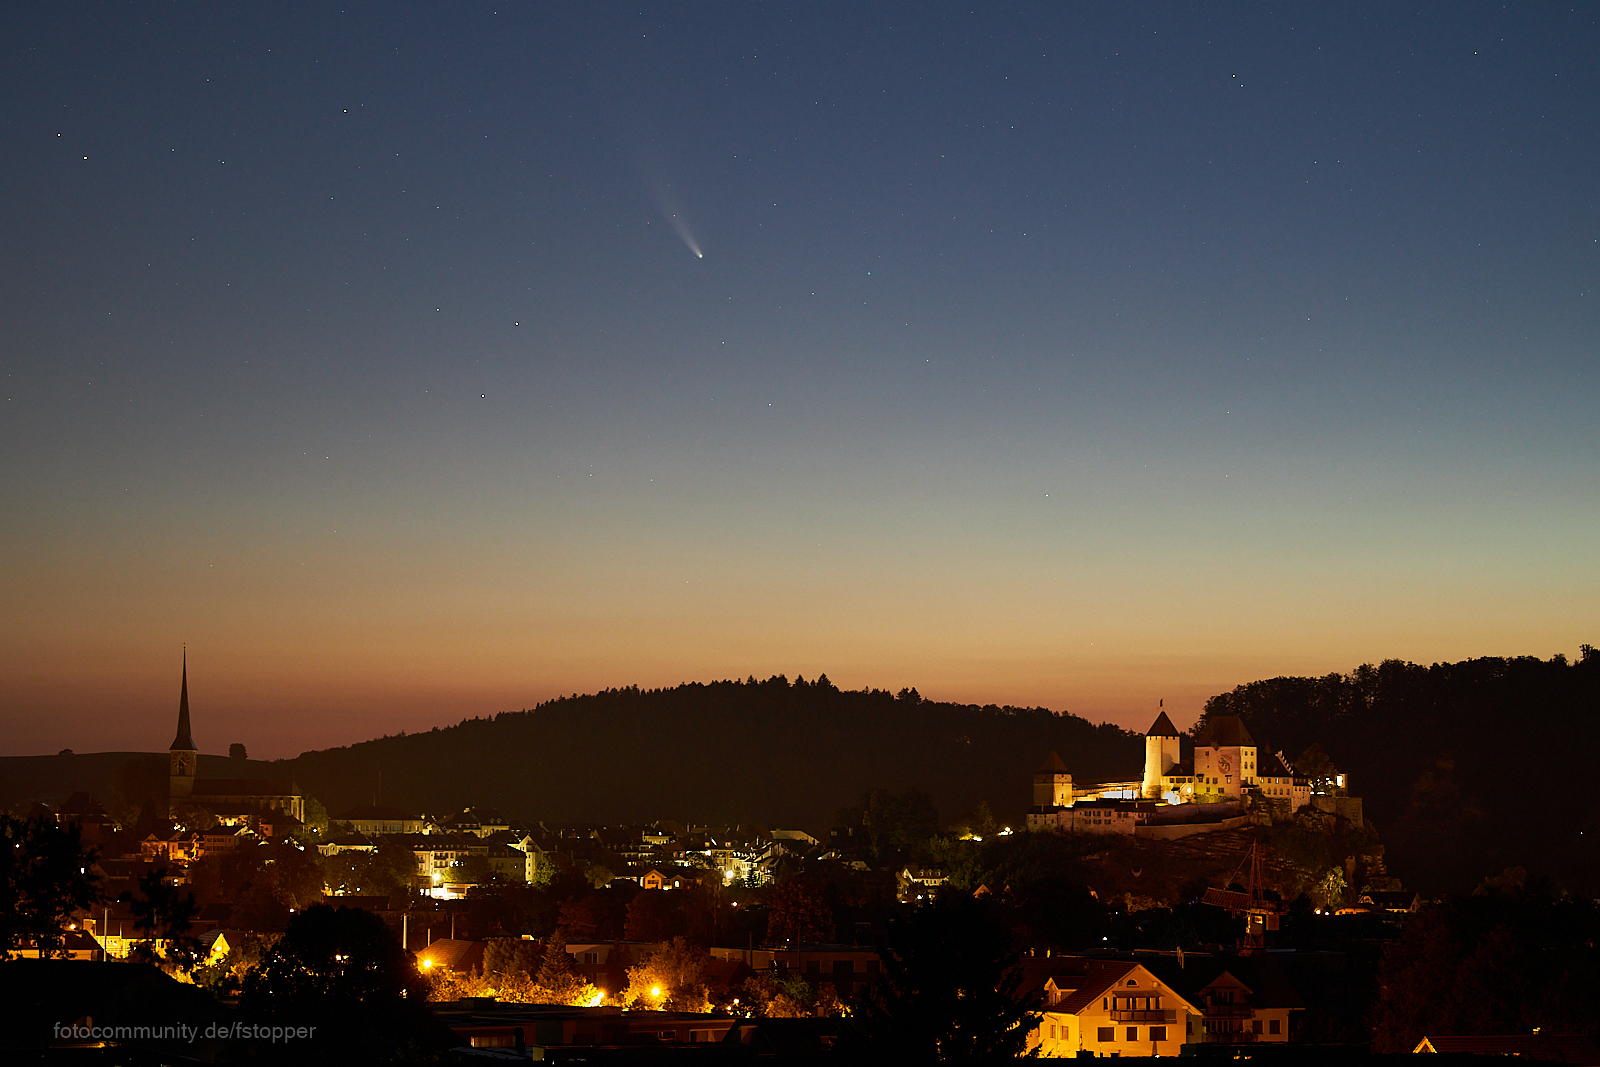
1108, 1033
1158, 1033
1133, 1033
1255, 1026
1272, 1026
1052, 1031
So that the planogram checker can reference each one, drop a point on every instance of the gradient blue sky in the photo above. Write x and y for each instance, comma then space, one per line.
1041, 354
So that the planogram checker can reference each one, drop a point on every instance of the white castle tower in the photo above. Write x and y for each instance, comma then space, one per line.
1052, 784
1162, 751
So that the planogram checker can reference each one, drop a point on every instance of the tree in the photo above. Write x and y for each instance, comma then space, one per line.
949, 990
162, 911
896, 826
236, 751
342, 972
654, 915
790, 997
511, 957
1497, 962
558, 975
316, 823
671, 978
578, 921
798, 913
44, 879
137, 782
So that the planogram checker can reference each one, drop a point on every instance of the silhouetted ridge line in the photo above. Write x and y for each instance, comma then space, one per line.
771, 751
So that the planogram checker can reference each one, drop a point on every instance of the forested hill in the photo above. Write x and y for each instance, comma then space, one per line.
772, 752
1464, 768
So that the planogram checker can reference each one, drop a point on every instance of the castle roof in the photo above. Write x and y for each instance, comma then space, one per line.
1274, 767
1224, 731
1053, 765
1163, 727
183, 741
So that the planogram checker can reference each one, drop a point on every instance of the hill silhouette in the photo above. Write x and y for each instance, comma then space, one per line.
774, 752
1465, 768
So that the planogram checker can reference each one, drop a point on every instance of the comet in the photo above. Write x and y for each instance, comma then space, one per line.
684, 232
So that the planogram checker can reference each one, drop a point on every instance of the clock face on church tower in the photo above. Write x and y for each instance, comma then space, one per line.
182, 763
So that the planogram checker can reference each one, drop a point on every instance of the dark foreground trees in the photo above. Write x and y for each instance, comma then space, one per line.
342, 972
44, 878
949, 990
1506, 960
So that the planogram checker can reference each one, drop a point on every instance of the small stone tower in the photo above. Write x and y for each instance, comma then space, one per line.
1162, 751
185, 758
1052, 784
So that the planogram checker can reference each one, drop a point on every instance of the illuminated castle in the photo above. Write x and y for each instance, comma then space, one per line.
1175, 797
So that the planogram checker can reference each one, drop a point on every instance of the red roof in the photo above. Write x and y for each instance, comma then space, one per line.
1163, 727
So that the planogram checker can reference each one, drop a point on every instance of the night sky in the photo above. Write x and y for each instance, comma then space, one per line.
411, 362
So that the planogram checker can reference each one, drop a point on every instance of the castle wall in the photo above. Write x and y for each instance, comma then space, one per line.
1173, 831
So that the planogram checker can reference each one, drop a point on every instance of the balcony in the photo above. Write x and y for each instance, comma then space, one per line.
1229, 1011
1156, 1016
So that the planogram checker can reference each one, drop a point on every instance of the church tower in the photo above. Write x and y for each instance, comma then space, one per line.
1162, 751
1052, 784
185, 758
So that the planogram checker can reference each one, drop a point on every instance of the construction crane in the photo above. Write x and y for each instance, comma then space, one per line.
1260, 914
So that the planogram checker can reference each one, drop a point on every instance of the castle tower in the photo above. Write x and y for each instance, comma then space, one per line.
1052, 784
184, 757
1162, 751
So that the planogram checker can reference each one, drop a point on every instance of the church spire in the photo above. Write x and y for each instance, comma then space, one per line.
183, 741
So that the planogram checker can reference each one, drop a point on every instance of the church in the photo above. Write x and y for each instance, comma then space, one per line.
231, 800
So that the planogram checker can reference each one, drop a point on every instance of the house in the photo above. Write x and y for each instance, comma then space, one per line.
94, 823
1236, 1013
1395, 902
215, 945
370, 819
1559, 1048
914, 883
507, 861
1105, 1008
352, 842
448, 953
664, 877
1155, 1004
480, 822
437, 853
76, 945
274, 825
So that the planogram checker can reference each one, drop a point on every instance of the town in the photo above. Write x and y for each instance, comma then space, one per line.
1154, 914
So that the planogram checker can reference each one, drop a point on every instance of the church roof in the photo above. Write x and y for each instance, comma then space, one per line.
1053, 765
1163, 727
183, 740
1224, 731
